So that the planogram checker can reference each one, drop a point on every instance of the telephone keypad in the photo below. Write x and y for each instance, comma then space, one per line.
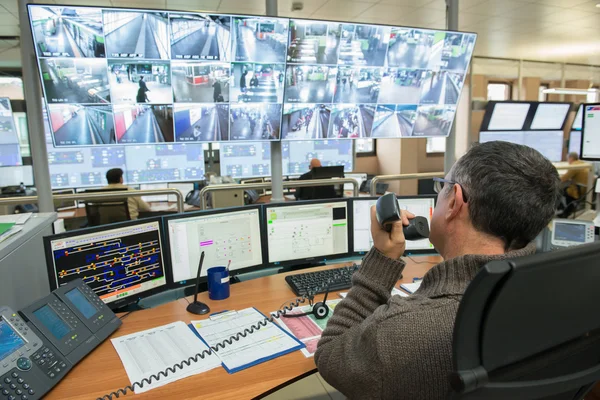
14, 387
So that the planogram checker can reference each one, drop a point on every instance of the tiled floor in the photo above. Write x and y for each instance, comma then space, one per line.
310, 388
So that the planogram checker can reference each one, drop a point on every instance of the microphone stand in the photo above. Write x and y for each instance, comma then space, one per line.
197, 307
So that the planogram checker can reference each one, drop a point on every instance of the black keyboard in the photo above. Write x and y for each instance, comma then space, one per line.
318, 281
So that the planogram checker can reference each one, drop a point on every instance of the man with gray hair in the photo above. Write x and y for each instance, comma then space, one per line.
492, 204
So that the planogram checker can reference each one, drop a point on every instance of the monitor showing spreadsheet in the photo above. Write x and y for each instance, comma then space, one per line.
223, 236
549, 143
311, 231
120, 263
361, 209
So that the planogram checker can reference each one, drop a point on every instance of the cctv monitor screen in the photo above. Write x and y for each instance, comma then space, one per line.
550, 116
548, 143
363, 241
224, 236
137, 76
508, 116
120, 263
575, 142
590, 139
309, 231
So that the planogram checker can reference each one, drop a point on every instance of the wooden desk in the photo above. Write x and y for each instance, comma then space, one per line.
102, 372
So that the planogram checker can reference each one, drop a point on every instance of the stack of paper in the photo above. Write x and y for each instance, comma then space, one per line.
151, 351
9, 229
19, 219
411, 287
307, 329
264, 344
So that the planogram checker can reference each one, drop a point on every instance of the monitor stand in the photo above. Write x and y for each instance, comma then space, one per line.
303, 266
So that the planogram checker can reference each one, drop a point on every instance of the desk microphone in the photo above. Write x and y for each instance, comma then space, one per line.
388, 212
197, 307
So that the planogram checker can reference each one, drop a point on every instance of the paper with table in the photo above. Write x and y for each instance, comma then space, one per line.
151, 351
307, 329
264, 344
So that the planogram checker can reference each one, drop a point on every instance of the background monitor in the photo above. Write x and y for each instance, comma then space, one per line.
223, 235
311, 231
184, 189
575, 142
10, 151
550, 116
507, 116
156, 198
360, 178
121, 262
246, 160
14, 176
103, 87
590, 139
361, 221
548, 143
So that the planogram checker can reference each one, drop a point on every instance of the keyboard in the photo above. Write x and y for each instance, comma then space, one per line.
317, 282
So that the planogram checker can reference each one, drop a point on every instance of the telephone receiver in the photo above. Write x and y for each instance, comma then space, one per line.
388, 212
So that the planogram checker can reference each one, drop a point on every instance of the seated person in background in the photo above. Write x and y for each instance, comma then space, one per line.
307, 193
114, 177
495, 201
576, 177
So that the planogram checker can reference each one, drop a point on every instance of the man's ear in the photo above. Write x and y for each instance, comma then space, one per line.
455, 202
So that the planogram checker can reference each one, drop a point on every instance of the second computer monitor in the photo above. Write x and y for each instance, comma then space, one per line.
361, 209
306, 232
223, 235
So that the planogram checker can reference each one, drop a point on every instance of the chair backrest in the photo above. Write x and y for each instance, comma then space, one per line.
529, 328
322, 192
106, 212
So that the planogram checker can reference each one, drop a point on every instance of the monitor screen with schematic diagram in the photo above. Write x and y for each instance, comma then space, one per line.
361, 222
224, 235
121, 263
311, 231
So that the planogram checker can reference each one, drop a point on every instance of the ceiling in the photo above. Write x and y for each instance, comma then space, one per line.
545, 30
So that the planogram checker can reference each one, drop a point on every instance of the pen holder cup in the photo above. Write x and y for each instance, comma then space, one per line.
218, 283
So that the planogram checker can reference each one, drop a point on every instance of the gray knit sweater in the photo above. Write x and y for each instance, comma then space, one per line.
378, 346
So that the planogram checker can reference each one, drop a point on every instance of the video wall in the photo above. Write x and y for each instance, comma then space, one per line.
124, 77
10, 151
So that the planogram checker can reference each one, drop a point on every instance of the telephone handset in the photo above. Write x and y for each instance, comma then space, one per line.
41, 343
388, 212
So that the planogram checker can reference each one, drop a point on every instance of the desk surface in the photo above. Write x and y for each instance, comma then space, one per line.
102, 372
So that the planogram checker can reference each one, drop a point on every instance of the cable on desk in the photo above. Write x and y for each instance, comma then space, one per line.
122, 317
197, 357
421, 262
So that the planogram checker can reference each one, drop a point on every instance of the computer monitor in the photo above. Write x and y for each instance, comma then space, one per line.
307, 232
361, 222
120, 262
223, 235
575, 142
13, 176
590, 139
548, 143
184, 189
507, 116
155, 198
360, 178
550, 116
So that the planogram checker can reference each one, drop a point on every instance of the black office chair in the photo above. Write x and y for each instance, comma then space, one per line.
530, 328
106, 212
321, 192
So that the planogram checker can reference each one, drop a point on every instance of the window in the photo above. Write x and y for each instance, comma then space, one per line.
498, 91
365, 147
543, 96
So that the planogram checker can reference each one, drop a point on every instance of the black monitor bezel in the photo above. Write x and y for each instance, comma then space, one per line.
78, 232
182, 284
310, 260
408, 252
533, 106
583, 133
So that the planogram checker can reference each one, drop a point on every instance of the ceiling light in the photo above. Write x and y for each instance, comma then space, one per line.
573, 91
598, 5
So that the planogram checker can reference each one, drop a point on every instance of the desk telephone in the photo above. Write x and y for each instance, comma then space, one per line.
40, 344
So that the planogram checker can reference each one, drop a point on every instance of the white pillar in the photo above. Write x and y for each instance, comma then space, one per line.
452, 21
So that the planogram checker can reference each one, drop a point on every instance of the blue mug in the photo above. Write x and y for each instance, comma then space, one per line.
218, 283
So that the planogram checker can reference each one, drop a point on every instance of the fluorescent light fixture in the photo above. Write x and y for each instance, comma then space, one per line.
598, 5
579, 92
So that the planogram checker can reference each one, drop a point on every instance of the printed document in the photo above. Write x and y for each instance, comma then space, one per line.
148, 352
